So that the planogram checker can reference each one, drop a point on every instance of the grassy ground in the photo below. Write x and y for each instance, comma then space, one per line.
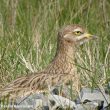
28, 30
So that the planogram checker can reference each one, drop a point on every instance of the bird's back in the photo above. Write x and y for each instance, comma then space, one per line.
35, 83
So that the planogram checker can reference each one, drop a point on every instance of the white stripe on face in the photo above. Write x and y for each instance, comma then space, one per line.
78, 29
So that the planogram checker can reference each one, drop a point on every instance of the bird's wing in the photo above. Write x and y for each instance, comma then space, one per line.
34, 83
25, 84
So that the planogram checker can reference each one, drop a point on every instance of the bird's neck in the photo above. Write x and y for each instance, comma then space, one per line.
64, 60
65, 51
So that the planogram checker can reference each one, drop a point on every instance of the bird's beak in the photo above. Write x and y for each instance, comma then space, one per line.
86, 37
89, 36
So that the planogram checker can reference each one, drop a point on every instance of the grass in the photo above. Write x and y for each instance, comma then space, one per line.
28, 31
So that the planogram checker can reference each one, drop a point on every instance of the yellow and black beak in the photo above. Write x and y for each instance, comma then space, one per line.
89, 36
85, 38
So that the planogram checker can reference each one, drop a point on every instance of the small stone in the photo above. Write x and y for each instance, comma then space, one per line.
107, 108
61, 101
94, 95
55, 91
45, 108
38, 103
109, 85
100, 105
59, 108
77, 101
52, 102
79, 107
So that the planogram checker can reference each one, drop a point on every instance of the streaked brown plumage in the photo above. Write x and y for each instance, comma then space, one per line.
59, 72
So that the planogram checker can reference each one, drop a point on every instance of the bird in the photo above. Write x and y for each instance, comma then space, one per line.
61, 70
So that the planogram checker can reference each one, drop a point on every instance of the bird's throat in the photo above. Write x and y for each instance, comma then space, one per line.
66, 51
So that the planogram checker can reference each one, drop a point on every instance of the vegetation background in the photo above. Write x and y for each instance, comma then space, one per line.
28, 32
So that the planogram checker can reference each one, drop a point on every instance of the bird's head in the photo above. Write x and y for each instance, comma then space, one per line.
74, 34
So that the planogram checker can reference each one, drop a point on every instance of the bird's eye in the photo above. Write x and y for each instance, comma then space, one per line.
78, 33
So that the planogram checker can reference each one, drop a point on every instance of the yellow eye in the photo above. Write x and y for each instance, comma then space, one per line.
77, 32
